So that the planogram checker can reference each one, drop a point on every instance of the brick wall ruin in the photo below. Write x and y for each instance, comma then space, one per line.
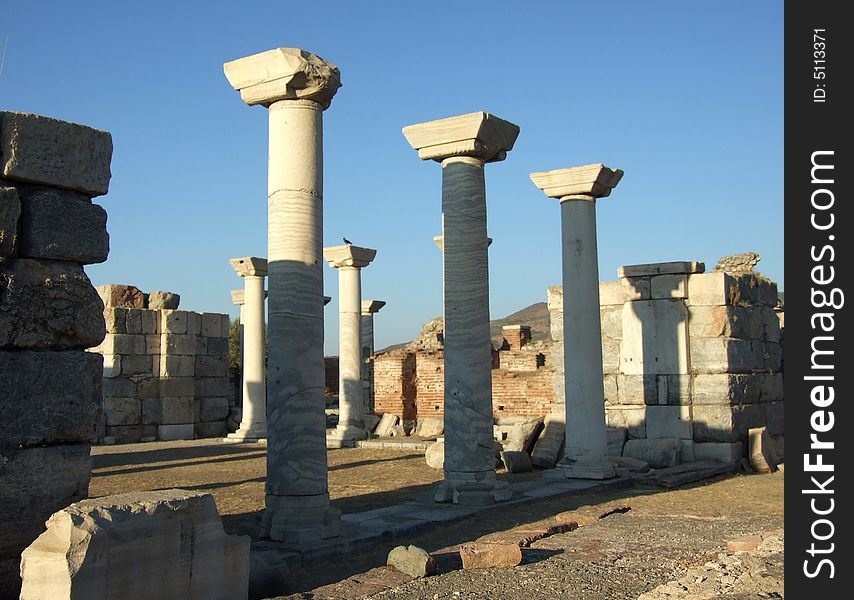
50, 388
165, 370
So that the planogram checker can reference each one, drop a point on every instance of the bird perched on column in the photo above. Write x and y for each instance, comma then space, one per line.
346, 241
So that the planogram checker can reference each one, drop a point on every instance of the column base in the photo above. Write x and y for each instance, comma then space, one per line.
587, 468
477, 488
298, 520
345, 435
248, 434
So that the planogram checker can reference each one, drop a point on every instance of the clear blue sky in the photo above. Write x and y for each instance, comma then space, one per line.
685, 97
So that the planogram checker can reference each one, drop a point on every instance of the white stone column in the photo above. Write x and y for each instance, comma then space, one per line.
349, 260
462, 145
253, 422
296, 86
586, 455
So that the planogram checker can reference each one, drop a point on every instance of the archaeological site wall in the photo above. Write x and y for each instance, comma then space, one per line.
165, 370
50, 388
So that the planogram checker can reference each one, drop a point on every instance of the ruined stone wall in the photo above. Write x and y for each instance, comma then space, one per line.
50, 388
165, 370
394, 384
688, 355
429, 383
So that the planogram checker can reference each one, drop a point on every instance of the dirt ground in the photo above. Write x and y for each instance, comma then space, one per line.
667, 535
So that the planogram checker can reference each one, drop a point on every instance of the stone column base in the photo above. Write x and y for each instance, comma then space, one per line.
587, 468
298, 520
246, 435
479, 488
345, 436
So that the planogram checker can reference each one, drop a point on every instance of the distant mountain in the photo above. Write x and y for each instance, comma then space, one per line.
536, 316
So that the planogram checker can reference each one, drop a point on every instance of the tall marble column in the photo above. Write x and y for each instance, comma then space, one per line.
253, 422
369, 309
462, 145
296, 86
586, 450
349, 260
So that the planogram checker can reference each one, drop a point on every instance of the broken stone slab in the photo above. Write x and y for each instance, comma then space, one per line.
171, 540
482, 555
632, 465
738, 263
48, 151
548, 447
659, 453
689, 472
36, 482
49, 397
664, 268
62, 225
120, 295
762, 450
430, 427
435, 455
48, 304
523, 436
516, 461
412, 560
10, 211
398, 431
384, 427
160, 300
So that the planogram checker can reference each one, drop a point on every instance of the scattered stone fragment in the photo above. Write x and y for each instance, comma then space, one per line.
548, 446
430, 427
412, 561
383, 428
478, 555
125, 296
738, 263
435, 455
659, 453
744, 543
516, 461
161, 300
763, 454
632, 465
398, 431
523, 437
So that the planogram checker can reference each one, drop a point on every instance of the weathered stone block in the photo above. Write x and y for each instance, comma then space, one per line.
729, 452
721, 321
48, 304
122, 343
387, 421
167, 411
637, 389
62, 225
173, 321
655, 338
726, 423
762, 452
115, 319
213, 409
152, 344
212, 386
176, 365
669, 286
669, 422
210, 429
659, 453
147, 387
726, 389
214, 346
632, 418
211, 325
178, 387
434, 456
610, 355
516, 461
163, 300
10, 211
548, 448
122, 411
176, 432
611, 318
712, 289
769, 355
662, 268
211, 366
616, 439
674, 389
611, 388
140, 364
430, 427
49, 397
523, 436
624, 290
194, 323
484, 555
171, 540
119, 387
35, 483
120, 295
112, 365
129, 434
775, 418
725, 355
141, 320
173, 344
48, 151
412, 561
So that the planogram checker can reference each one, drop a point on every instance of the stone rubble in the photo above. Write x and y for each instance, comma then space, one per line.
412, 561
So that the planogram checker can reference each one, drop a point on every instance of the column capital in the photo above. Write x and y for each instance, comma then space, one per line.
283, 74
249, 266
370, 307
348, 255
478, 135
578, 183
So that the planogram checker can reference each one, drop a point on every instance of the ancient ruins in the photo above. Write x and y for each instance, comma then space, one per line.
668, 367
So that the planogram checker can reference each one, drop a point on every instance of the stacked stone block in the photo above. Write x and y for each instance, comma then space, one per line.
166, 370
687, 355
50, 388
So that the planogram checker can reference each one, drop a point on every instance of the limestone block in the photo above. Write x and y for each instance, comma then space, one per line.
112, 365
49, 397
212, 386
212, 325
430, 427
173, 321
167, 411
659, 453
664, 268
129, 434
523, 436
611, 388
762, 452
435, 455
62, 225
482, 555
147, 387
727, 389
387, 421
554, 298
547, 450
769, 324
140, 320
412, 561
669, 422
122, 411
213, 409
10, 211
516, 461
632, 418
725, 355
35, 483
612, 293
687, 451
213, 346
771, 386
177, 365
769, 355
775, 418
611, 318
47, 304
181, 387
176, 432
211, 366
637, 389
729, 452
616, 439
179, 343
210, 429
225, 327
163, 300
743, 289
140, 364
726, 423
152, 344
722, 321
655, 337
674, 389
171, 540
119, 295
194, 323
122, 343
48, 151
115, 319
611, 355
669, 287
